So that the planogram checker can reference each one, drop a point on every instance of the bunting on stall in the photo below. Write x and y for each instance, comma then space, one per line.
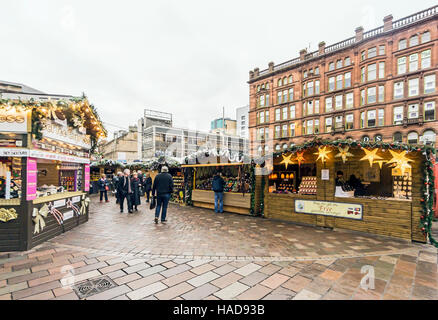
56, 214
38, 218
85, 202
74, 207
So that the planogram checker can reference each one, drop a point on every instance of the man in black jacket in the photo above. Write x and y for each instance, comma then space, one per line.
218, 188
162, 188
124, 190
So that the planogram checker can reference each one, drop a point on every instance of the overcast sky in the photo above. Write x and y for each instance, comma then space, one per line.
190, 58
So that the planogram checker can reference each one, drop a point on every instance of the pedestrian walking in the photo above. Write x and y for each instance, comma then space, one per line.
136, 191
218, 188
103, 187
141, 178
116, 182
162, 189
125, 190
147, 186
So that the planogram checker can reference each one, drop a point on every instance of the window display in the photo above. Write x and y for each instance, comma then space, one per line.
10, 178
299, 179
237, 179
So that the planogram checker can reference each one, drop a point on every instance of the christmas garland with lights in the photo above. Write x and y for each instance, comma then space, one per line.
76, 111
428, 152
253, 187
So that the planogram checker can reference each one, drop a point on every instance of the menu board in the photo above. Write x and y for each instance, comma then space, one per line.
87, 178
32, 172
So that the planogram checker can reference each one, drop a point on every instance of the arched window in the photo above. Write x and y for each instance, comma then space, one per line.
429, 137
292, 144
413, 41
259, 150
412, 137
402, 44
279, 82
398, 137
284, 81
290, 79
267, 85
258, 88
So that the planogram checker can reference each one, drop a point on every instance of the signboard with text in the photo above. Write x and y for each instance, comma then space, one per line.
13, 121
32, 172
328, 208
87, 178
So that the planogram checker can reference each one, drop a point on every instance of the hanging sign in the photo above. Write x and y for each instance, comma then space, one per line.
69, 135
32, 172
328, 208
87, 177
57, 156
13, 121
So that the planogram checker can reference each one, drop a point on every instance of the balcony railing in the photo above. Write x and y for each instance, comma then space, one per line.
415, 17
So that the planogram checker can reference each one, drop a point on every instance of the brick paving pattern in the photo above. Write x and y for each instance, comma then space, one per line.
201, 255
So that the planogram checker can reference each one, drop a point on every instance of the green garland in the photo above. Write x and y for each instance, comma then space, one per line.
262, 197
188, 185
428, 175
253, 190
428, 198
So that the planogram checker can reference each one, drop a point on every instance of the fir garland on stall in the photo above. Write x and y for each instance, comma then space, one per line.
262, 197
428, 197
253, 190
188, 185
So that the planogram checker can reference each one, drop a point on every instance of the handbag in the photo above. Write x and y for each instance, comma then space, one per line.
153, 203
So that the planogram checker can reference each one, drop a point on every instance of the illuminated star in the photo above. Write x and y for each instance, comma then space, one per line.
322, 153
286, 160
343, 153
400, 160
300, 157
370, 155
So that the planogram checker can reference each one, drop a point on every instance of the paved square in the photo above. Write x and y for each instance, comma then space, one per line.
201, 255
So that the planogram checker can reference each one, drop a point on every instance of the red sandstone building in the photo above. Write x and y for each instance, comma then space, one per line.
377, 85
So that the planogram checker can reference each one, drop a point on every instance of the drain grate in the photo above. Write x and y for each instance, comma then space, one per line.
93, 286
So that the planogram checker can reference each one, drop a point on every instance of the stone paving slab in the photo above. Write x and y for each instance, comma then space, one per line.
184, 260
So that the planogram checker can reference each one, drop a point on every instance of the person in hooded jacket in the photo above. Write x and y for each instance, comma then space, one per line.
218, 188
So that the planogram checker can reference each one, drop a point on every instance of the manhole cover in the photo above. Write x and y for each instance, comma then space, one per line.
93, 286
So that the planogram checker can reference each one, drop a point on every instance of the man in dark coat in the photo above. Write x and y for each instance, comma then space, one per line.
147, 185
125, 190
218, 188
135, 196
162, 188
141, 179
116, 181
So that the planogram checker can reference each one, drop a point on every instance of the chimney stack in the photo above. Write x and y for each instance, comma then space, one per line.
387, 23
321, 47
271, 66
359, 34
303, 54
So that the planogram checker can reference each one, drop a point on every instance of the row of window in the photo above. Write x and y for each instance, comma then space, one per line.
368, 119
371, 71
368, 95
339, 64
372, 52
414, 40
414, 63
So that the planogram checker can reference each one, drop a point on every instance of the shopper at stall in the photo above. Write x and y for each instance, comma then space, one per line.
103, 187
136, 191
125, 190
162, 189
218, 188
357, 185
147, 185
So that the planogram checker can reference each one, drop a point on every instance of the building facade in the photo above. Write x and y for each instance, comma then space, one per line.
378, 85
123, 147
242, 122
179, 143
223, 125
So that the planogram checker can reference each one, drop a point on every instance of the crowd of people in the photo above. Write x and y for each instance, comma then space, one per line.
136, 185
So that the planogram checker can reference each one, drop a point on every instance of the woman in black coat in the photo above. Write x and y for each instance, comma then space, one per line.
147, 186
135, 195
103, 186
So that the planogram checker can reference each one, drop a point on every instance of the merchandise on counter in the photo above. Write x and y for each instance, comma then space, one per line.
402, 187
308, 185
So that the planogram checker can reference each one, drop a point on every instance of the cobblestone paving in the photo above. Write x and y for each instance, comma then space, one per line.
202, 255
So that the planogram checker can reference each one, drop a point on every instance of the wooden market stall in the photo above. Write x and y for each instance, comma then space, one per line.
238, 187
380, 188
44, 169
107, 167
